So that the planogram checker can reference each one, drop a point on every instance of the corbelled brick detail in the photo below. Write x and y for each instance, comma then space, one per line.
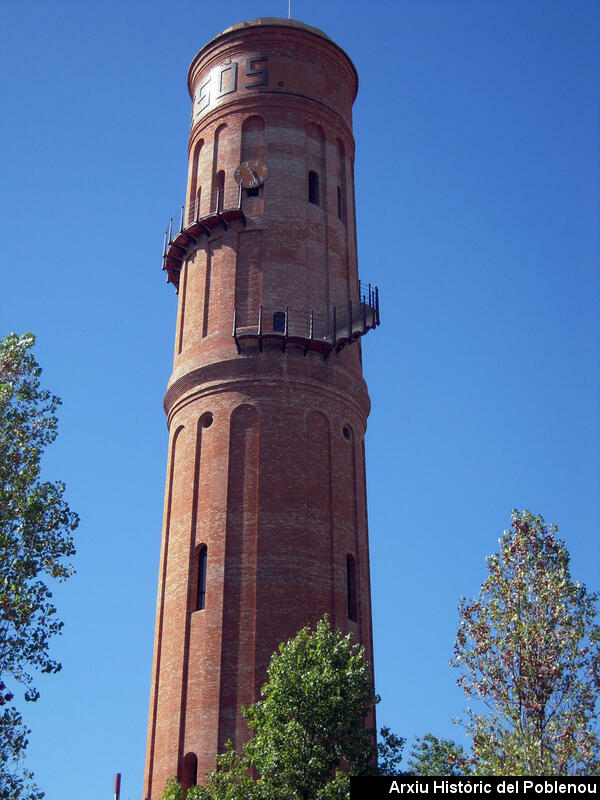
266, 458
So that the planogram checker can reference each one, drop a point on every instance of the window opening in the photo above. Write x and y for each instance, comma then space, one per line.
313, 187
189, 772
279, 321
351, 575
201, 594
206, 420
219, 190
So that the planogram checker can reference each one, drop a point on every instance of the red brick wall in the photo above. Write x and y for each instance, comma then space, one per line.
274, 486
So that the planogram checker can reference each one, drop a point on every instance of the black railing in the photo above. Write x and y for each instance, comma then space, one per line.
337, 327
214, 202
221, 208
221, 201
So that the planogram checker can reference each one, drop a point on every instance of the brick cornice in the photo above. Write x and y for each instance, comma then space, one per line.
234, 376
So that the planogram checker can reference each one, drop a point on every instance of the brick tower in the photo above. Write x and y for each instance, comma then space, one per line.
265, 522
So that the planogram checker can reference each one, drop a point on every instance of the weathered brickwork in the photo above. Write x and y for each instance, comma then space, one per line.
266, 457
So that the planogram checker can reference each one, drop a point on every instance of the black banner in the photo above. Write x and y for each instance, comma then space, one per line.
489, 788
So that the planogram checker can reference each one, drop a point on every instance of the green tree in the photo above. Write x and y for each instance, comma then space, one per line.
231, 780
35, 545
529, 648
431, 755
310, 721
309, 732
173, 790
390, 749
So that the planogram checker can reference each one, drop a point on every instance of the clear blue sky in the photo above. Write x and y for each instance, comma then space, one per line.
478, 172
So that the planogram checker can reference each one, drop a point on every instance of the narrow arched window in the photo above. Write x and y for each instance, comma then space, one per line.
313, 187
195, 171
351, 586
340, 205
279, 321
219, 190
189, 771
201, 593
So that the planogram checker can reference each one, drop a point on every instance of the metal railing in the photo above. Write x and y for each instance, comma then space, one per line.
339, 325
218, 202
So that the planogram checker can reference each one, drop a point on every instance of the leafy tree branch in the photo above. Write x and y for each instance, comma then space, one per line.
36, 546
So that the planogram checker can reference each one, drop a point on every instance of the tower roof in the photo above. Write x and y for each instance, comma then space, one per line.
278, 21
270, 22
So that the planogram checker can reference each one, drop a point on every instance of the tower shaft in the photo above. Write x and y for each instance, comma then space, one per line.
265, 521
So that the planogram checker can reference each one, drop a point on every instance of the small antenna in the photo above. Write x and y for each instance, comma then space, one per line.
289, 9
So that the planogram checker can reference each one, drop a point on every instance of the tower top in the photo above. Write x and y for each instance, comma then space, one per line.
278, 21
263, 23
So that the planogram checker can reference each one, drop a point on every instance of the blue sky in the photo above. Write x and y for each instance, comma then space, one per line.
478, 197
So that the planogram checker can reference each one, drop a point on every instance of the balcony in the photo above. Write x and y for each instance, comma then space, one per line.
263, 326
283, 327
199, 221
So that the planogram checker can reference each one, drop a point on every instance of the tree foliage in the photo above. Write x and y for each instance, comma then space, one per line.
35, 545
390, 749
310, 721
230, 781
173, 790
431, 755
529, 648
309, 732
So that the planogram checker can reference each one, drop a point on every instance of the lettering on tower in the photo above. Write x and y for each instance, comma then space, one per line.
223, 80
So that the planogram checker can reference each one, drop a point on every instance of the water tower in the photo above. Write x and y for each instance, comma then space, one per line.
265, 519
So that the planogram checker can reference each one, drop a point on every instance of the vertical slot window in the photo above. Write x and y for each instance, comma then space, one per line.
351, 587
194, 189
219, 184
279, 321
342, 183
313, 187
201, 591
189, 771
